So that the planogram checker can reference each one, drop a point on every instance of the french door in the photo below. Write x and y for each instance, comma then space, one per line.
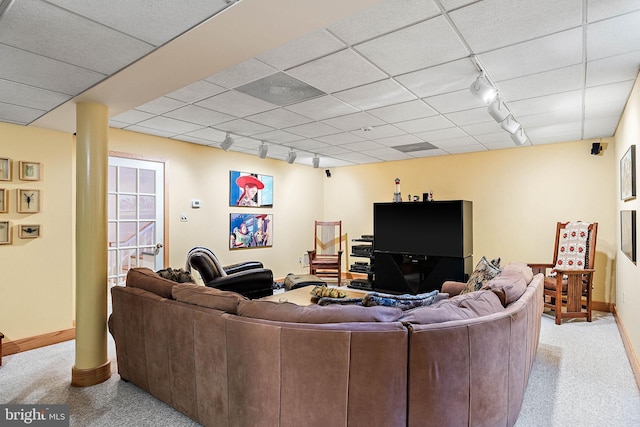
136, 216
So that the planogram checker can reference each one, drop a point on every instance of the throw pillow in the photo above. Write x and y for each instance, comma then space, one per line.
145, 278
483, 272
202, 296
179, 275
404, 302
508, 286
526, 271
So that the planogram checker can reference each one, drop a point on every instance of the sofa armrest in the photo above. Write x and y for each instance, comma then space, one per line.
247, 283
452, 288
242, 266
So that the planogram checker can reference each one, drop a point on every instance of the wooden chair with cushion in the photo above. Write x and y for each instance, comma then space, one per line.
568, 289
325, 260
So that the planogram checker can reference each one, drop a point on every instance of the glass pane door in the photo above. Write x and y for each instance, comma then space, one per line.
136, 216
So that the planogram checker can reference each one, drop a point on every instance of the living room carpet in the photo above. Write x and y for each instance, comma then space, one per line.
581, 376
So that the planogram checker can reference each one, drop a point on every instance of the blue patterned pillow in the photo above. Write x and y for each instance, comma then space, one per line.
403, 302
483, 272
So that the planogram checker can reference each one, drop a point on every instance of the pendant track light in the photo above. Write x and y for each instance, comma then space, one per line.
316, 161
510, 125
498, 110
228, 142
262, 151
291, 157
482, 89
519, 137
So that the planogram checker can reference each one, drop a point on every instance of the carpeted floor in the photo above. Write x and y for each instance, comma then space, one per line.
581, 376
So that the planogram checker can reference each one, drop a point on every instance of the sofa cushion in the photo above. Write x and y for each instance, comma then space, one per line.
289, 312
483, 272
203, 296
404, 302
526, 271
508, 286
460, 307
146, 279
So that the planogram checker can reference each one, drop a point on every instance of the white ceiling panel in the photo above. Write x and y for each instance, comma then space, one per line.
387, 154
602, 9
312, 130
403, 111
601, 127
433, 40
561, 102
296, 52
167, 124
374, 95
198, 115
243, 127
161, 105
544, 83
196, 91
36, 98
395, 141
18, 114
278, 136
468, 117
240, 74
279, 118
377, 132
453, 101
323, 107
613, 36
132, 116
340, 138
613, 69
352, 69
236, 103
425, 125
354, 121
440, 79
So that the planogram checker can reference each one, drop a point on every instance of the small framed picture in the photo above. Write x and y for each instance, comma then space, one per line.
5, 233
30, 171
28, 201
5, 169
30, 231
4, 200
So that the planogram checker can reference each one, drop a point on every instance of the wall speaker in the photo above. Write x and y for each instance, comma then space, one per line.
596, 148
328, 172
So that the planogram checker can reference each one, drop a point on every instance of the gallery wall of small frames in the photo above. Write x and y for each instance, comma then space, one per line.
20, 199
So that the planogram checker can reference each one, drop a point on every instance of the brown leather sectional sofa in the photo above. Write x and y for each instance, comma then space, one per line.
224, 360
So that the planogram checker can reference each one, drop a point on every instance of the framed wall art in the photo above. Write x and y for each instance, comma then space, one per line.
30, 231
4, 200
250, 189
30, 171
250, 230
29, 201
5, 233
5, 169
628, 234
628, 174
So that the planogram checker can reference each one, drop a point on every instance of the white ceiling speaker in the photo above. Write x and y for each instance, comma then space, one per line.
482, 89
316, 161
510, 125
519, 137
262, 151
291, 157
498, 110
228, 142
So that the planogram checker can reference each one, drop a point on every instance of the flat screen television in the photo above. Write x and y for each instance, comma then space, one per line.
439, 228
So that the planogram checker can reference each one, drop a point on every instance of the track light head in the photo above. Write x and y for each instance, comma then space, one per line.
316, 161
510, 125
291, 157
519, 137
228, 142
262, 151
498, 110
482, 89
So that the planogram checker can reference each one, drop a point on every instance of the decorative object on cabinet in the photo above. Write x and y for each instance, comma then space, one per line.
30, 231
5, 233
628, 174
28, 201
4, 200
5, 169
30, 171
628, 234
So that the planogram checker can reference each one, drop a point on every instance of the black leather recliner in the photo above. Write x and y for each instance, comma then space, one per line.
249, 278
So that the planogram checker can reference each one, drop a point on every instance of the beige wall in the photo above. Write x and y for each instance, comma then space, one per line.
627, 273
36, 275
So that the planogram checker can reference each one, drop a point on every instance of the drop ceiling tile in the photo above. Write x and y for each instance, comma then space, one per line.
150, 131
613, 36
170, 125
243, 127
196, 91
242, 73
358, 158
332, 150
501, 139
428, 153
18, 114
601, 128
279, 118
160, 105
482, 128
236, 104
395, 141
39, 71
373, 95
387, 154
69, 38
543, 54
362, 146
455, 4
461, 149
304, 49
312, 130
307, 144
29, 96
454, 101
502, 144
321, 108
613, 69
280, 89
425, 125
207, 134
464, 141
156, 25
449, 77
338, 71
132, 116
118, 125
492, 24
468, 117
441, 134
377, 132
194, 140
608, 93
602, 9
556, 133
550, 117
545, 83
198, 115
382, 18
396, 54
278, 136
354, 121
403, 111
567, 101
340, 138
